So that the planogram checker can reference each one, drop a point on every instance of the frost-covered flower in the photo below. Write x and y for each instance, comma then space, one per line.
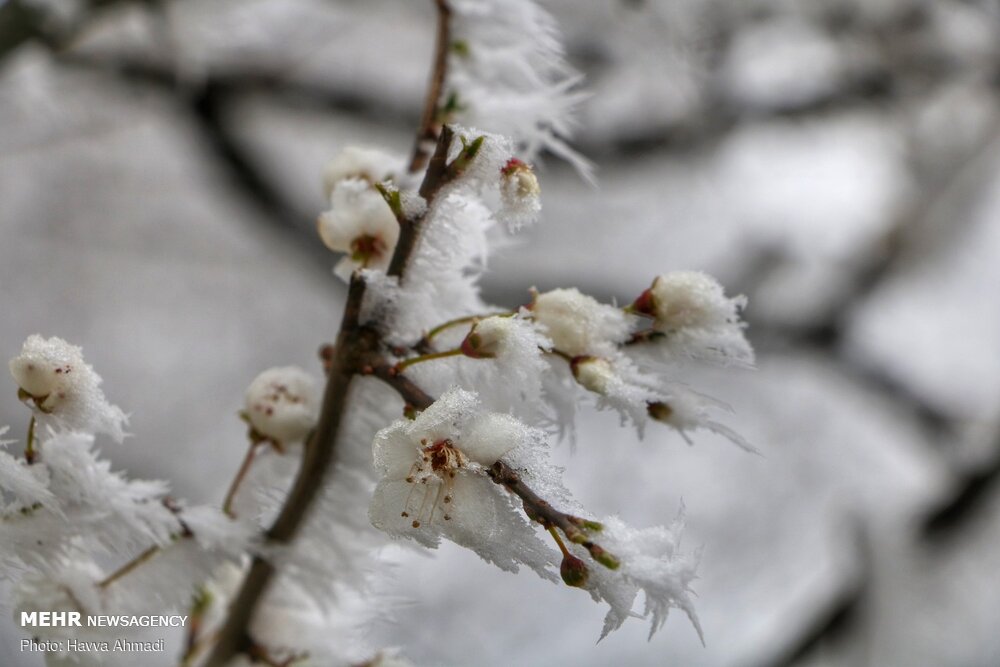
371, 165
511, 338
519, 193
578, 324
688, 299
487, 337
64, 389
434, 482
361, 224
282, 403
691, 308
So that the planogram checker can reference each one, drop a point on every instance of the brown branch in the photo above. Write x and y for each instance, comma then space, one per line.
129, 566
355, 348
316, 463
404, 386
538, 509
436, 177
430, 120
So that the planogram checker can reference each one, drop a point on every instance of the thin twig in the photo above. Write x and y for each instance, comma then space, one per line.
129, 566
433, 181
430, 356
430, 120
234, 486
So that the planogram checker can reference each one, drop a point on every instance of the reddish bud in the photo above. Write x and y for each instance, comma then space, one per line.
644, 304
574, 571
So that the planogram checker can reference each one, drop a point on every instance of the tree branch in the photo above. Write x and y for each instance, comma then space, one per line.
317, 462
430, 120
439, 173
356, 346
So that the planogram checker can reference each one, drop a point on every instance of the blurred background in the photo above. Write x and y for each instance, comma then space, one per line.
835, 160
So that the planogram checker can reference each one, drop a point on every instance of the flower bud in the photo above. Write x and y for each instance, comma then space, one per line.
578, 324
519, 180
660, 411
49, 371
519, 194
594, 373
282, 404
487, 337
603, 557
574, 571
686, 299
361, 224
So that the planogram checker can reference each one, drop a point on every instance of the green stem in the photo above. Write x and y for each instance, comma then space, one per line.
461, 320
29, 450
559, 542
427, 357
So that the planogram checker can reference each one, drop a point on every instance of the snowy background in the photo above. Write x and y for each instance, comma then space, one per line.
838, 161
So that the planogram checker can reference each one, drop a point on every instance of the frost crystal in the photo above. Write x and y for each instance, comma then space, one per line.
283, 404
67, 586
507, 73
441, 278
64, 389
651, 562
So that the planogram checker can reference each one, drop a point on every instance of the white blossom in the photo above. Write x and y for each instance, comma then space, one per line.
372, 165
361, 224
282, 403
578, 324
434, 482
64, 389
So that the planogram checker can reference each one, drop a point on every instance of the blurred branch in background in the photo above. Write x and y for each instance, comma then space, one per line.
679, 82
